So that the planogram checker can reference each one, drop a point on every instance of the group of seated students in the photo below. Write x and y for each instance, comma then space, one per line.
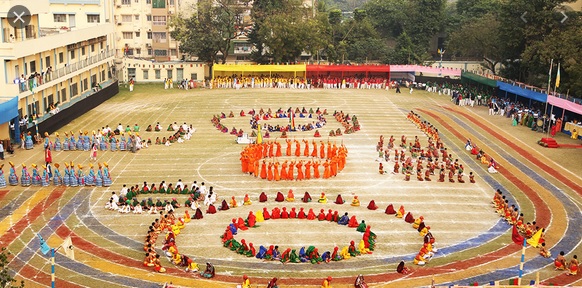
310, 254
344, 120
529, 230
173, 226
429, 246
480, 155
571, 266
181, 133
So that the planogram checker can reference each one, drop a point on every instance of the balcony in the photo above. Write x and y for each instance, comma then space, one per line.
51, 38
39, 83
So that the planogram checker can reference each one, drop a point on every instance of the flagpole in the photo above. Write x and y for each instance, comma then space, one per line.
552, 108
522, 261
548, 90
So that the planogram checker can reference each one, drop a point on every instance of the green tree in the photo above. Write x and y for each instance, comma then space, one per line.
6, 279
209, 30
479, 38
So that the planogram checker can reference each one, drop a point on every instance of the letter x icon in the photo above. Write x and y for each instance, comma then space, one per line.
18, 17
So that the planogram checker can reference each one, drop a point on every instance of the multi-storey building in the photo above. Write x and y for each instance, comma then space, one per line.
61, 57
142, 28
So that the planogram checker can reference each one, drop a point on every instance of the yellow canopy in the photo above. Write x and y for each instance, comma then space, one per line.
242, 69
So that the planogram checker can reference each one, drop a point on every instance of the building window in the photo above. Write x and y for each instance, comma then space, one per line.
127, 35
130, 73
60, 18
145, 74
172, 2
129, 51
160, 37
160, 53
61, 57
159, 20
92, 47
173, 52
85, 84
158, 74
63, 95
126, 18
194, 76
138, 51
32, 66
136, 17
126, 2
74, 90
170, 73
72, 54
47, 61
149, 18
137, 34
149, 51
83, 51
93, 19
148, 1
93, 79
149, 35
159, 4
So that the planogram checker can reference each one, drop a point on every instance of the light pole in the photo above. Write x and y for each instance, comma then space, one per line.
441, 52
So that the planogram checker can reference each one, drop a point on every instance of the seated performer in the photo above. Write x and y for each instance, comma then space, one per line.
544, 252
400, 212
372, 205
573, 266
355, 201
247, 200
344, 219
390, 210
280, 197
339, 200
290, 196
306, 198
402, 269
417, 222
322, 199
263, 197
409, 218
209, 272
560, 262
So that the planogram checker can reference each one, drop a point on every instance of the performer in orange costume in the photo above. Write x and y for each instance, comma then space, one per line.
316, 169
299, 166
284, 171
278, 152
270, 171
322, 150
297, 148
306, 149
290, 172
326, 169
276, 175
308, 170
288, 150
314, 152
264, 170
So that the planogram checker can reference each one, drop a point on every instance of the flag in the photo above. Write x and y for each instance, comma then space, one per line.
44, 248
259, 135
517, 239
558, 76
292, 119
534, 241
68, 247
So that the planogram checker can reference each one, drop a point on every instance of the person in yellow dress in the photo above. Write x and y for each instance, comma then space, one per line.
326, 282
574, 134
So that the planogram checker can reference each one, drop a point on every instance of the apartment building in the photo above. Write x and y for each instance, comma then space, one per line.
61, 57
142, 28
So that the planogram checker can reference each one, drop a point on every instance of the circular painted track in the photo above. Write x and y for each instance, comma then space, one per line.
474, 244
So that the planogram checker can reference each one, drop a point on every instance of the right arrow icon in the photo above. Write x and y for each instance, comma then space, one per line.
565, 17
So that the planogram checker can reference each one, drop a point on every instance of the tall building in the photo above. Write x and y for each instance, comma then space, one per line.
142, 28
62, 56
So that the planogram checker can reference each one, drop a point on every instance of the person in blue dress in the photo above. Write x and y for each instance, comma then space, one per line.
86, 142
72, 176
106, 177
66, 142
80, 175
57, 178
80, 141
67, 175
113, 144
99, 178
57, 146
25, 177
47, 140
129, 143
90, 178
12, 178
35, 176
344, 219
122, 143
72, 143
2, 178
103, 144
45, 180
28, 141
